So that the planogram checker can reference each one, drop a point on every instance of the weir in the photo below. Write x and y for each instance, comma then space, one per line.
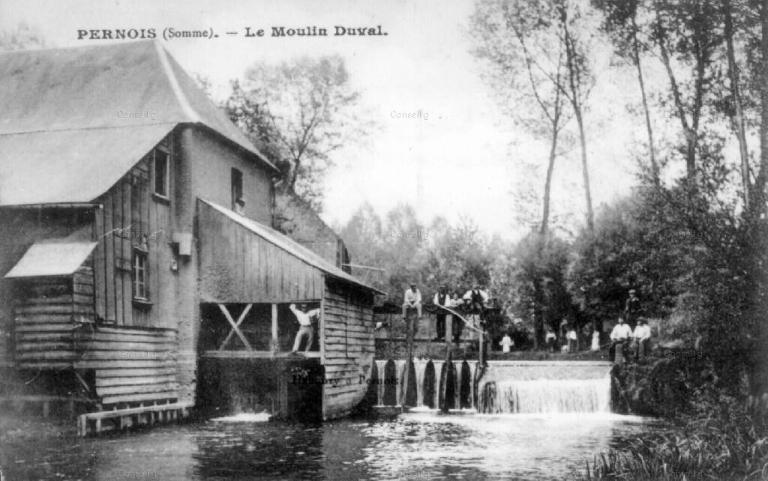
505, 386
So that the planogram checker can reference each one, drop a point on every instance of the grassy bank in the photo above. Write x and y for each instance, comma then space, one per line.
715, 434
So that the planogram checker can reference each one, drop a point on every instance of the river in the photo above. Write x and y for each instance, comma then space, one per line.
414, 446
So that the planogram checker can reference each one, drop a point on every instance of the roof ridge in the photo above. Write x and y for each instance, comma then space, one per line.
178, 93
76, 47
73, 129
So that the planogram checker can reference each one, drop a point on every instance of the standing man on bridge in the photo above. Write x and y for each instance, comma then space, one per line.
305, 326
412, 300
477, 298
442, 298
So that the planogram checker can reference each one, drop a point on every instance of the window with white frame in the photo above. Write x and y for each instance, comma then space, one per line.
140, 275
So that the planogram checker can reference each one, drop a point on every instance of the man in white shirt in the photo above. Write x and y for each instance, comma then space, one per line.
642, 338
620, 335
412, 300
305, 326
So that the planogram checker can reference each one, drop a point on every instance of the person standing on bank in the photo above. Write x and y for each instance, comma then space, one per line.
573, 340
620, 336
632, 308
442, 298
305, 326
412, 300
506, 343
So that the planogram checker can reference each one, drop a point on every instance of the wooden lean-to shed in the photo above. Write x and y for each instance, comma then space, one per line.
247, 265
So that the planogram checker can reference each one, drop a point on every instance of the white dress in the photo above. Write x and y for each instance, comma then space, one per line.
595, 341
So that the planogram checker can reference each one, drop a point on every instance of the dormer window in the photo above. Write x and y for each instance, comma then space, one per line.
161, 172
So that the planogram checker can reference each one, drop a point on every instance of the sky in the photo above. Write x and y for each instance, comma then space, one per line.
441, 142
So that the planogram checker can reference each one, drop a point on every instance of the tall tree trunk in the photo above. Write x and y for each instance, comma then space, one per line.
646, 110
574, 85
585, 170
738, 112
758, 190
548, 185
690, 130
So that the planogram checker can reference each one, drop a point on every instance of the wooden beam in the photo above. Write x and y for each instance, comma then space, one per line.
275, 343
235, 326
321, 328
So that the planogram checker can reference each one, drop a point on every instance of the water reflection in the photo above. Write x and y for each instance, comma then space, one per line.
415, 446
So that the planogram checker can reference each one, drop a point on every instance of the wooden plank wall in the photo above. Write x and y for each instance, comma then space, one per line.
238, 266
131, 365
130, 213
44, 323
349, 348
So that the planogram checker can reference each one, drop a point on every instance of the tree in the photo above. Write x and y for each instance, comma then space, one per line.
620, 21
300, 111
578, 84
526, 73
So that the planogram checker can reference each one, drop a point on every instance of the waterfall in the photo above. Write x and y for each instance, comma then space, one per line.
421, 367
546, 396
381, 371
438, 372
400, 367
472, 374
457, 393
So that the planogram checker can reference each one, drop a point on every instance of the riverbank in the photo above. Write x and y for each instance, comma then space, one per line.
715, 433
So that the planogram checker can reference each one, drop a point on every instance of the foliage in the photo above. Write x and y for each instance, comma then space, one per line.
410, 251
720, 439
300, 112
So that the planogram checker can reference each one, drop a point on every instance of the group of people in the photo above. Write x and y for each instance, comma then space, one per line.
623, 337
471, 305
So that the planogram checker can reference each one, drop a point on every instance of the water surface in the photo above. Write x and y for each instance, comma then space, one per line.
415, 446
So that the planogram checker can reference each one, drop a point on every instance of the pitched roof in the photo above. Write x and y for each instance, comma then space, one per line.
67, 101
289, 245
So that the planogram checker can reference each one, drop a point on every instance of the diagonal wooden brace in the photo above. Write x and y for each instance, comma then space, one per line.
235, 326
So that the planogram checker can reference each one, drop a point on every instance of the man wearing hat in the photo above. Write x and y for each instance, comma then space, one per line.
442, 298
632, 308
642, 338
412, 300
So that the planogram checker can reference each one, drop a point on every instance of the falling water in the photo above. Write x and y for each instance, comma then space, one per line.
438, 370
472, 374
457, 391
546, 396
380, 368
400, 366
421, 367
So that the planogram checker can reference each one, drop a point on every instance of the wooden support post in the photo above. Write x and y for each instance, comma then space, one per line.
321, 328
275, 343
97, 427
